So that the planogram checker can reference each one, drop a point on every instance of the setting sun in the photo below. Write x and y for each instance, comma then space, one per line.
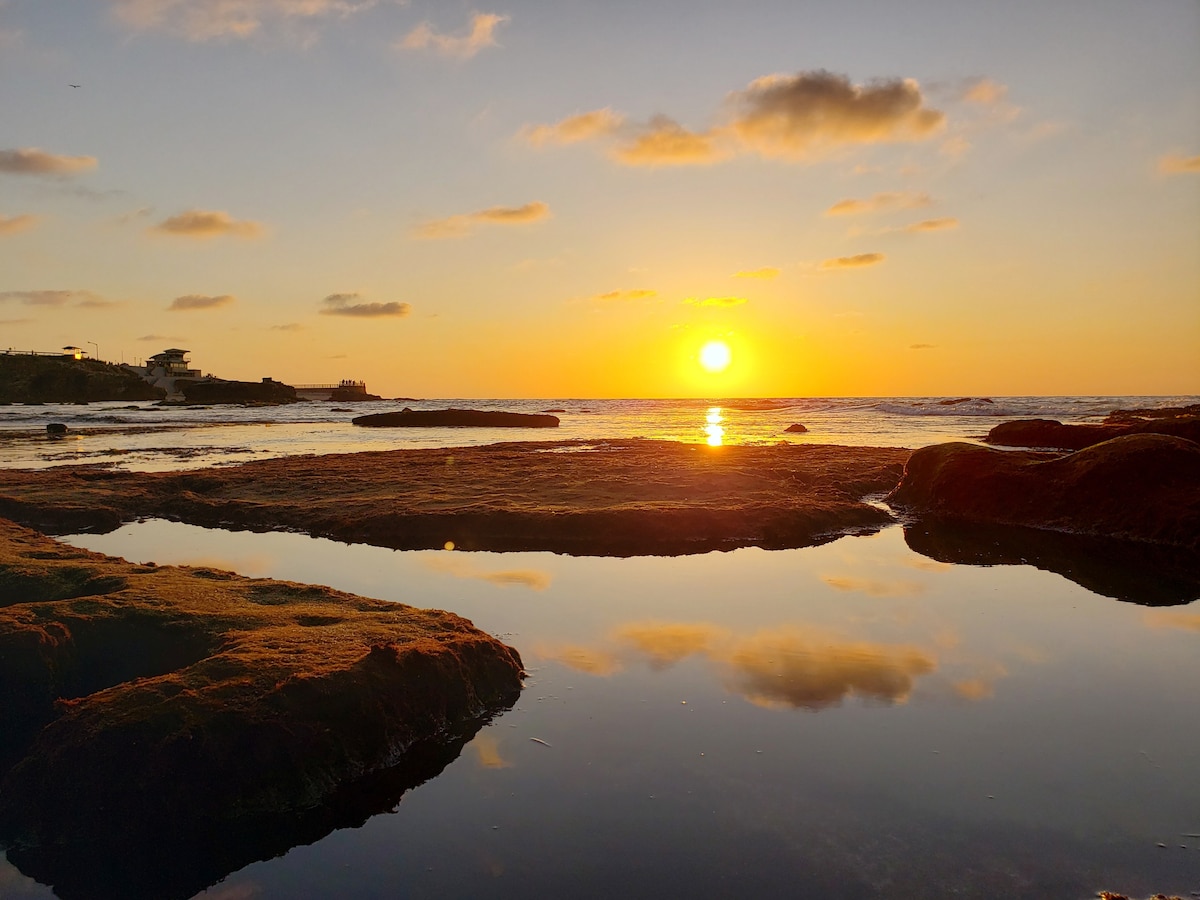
715, 356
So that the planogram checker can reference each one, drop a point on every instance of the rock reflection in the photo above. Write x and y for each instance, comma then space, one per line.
1123, 570
86, 855
791, 666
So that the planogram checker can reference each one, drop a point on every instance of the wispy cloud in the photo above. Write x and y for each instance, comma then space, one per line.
879, 203
664, 142
204, 224
716, 301
573, 129
461, 225
796, 117
83, 299
1176, 164
15, 321
873, 587
944, 224
922, 346
16, 224
32, 161
480, 34
459, 566
288, 326
160, 338
857, 261
766, 273
353, 306
191, 302
626, 295
202, 20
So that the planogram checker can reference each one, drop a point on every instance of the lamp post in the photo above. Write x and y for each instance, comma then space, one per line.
96, 347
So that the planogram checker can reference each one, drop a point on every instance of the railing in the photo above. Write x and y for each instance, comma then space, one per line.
343, 386
11, 352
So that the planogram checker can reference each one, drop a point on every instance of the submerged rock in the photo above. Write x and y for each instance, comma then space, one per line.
455, 418
56, 429
1143, 487
165, 703
796, 428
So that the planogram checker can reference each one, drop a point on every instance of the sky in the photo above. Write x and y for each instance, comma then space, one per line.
570, 199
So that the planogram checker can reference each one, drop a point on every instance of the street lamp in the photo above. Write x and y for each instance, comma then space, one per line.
97, 349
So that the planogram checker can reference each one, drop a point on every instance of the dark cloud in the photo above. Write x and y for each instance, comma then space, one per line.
32, 161
351, 305
192, 302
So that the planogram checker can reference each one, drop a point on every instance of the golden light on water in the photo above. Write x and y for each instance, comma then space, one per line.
715, 356
713, 427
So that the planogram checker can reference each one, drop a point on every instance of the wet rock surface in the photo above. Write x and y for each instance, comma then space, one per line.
1143, 487
157, 718
455, 418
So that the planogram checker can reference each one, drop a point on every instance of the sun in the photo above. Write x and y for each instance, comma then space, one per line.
715, 356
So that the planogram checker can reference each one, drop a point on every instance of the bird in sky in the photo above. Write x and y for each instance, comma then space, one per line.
77, 85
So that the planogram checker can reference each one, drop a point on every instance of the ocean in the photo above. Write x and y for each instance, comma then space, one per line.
850, 721
148, 437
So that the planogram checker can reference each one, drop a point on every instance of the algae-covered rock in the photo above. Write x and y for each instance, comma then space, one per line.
168, 701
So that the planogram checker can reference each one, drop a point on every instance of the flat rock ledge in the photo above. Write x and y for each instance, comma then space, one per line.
613, 498
145, 698
1141, 487
455, 418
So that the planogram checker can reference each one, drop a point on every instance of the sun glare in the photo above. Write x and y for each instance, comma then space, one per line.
715, 356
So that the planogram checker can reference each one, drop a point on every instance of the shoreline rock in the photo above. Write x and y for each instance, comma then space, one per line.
1050, 433
175, 701
1140, 487
455, 418
617, 498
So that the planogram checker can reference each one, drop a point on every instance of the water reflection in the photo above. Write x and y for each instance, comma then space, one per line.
874, 587
460, 566
1183, 621
713, 427
796, 666
1123, 570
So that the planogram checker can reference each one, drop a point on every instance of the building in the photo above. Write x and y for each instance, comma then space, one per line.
174, 364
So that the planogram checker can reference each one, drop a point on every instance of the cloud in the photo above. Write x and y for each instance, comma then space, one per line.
289, 326
461, 225
798, 116
984, 91
922, 346
161, 338
32, 161
84, 299
573, 129
199, 301
725, 302
15, 321
202, 20
766, 273
582, 659
879, 203
204, 224
487, 749
664, 142
347, 305
16, 224
666, 643
460, 567
853, 262
873, 587
944, 224
1175, 164
1184, 621
636, 294
482, 34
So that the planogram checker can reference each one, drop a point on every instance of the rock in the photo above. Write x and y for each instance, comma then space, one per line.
615, 498
1052, 433
145, 706
54, 429
60, 379
1141, 487
455, 418
217, 391
796, 428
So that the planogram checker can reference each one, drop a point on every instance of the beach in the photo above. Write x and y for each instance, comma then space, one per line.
821, 704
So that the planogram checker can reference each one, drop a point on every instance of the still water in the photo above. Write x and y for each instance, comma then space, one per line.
844, 721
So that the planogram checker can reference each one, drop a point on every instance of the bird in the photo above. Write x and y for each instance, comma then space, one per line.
76, 85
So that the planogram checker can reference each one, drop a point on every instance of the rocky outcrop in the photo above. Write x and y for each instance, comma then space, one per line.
62, 379
218, 391
796, 428
455, 418
1051, 433
169, 702
1142, 487
619, 498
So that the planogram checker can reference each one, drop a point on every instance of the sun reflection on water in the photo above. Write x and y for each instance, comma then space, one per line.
713, 427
